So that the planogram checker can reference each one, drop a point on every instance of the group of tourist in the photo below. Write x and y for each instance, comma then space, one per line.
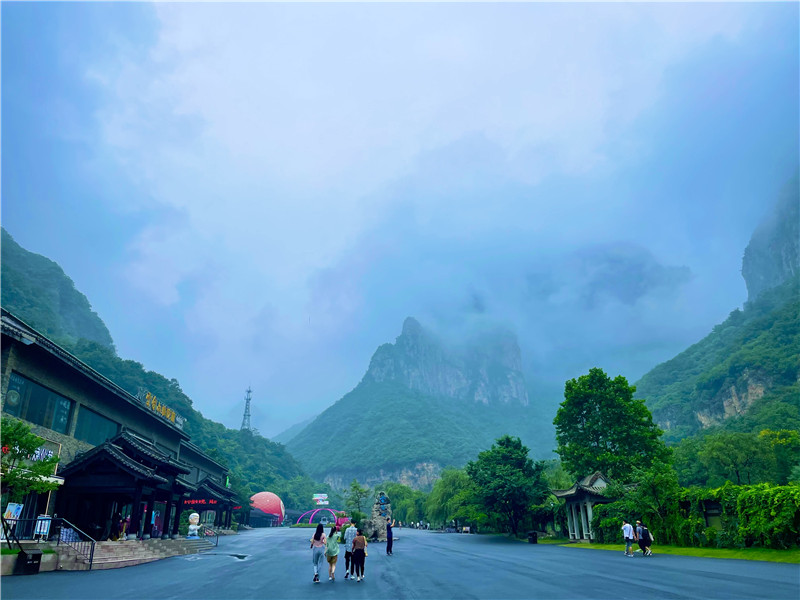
641, 534
355, 546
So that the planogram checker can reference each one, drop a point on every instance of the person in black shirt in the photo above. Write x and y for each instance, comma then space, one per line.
389, 525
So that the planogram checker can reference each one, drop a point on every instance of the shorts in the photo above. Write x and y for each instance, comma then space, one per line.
332, 559
628, 544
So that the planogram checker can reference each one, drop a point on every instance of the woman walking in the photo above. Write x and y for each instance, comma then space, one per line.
318, 550
332, 553
359, 554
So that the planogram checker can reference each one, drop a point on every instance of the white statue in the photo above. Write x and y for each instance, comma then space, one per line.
194, 519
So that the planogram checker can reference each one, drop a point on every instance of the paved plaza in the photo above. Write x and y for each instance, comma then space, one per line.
276, 563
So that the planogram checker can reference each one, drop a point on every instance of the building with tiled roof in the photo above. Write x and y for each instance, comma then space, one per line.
121, 455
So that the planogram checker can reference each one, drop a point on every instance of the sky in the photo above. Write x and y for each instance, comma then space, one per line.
259, 194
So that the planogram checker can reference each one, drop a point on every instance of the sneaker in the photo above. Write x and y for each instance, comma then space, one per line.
330, 578
347, 575
359, 580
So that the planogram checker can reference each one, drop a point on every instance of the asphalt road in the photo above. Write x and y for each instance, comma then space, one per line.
276, 563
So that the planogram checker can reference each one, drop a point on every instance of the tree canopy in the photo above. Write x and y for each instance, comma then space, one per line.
20, 474
600, 426
506, 481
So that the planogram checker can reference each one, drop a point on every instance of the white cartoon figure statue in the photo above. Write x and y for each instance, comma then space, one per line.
194, 519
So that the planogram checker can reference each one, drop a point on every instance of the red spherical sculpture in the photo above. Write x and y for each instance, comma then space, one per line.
268, 503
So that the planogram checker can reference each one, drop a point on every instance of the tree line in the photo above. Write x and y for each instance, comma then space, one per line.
600, 426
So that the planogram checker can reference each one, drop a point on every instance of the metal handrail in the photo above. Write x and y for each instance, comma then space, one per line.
84, 547
37, 530
208, 532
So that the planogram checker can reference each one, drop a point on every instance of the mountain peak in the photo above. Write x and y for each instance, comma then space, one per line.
412, 327
487, 368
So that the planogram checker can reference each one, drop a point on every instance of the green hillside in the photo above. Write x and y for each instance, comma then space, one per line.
394, 428
744, 375
745, 370
38, 291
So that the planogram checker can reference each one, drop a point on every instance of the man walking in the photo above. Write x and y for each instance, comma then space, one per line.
389, 525
349, 563
627, 533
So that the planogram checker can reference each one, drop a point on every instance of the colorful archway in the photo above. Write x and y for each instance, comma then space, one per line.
314, 512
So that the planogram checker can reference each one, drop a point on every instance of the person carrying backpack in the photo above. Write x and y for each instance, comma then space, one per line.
645, 538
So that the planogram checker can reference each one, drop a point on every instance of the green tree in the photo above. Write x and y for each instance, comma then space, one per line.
507, 482
742, 458
785, 444
690, 470
408, 504
355, 497
452, 497
600, 426
20, 475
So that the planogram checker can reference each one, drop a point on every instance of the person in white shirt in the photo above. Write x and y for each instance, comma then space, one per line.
627, 533
349, 536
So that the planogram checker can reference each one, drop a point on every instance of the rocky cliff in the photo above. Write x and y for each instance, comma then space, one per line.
486, 369
773, 254
422, 405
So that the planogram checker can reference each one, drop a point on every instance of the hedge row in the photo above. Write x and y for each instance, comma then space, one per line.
761, 515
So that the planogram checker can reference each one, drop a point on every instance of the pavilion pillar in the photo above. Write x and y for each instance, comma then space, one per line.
575, 523
569, 520
148, 518
167, 515
583, 520
589, 514
136, 513
176, 520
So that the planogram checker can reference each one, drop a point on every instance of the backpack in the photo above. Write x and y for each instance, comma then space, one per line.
646, 537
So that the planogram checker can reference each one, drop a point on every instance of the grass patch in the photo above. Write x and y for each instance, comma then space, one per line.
553, 540
765, 554
10, 551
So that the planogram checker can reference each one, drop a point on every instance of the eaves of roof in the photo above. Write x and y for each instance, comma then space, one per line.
117, 456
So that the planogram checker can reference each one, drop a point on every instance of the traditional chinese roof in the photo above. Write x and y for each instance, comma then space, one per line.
142, 446
109, 451
192, 487
591, 484
219, 491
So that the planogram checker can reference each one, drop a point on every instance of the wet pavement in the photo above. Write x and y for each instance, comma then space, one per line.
276, 563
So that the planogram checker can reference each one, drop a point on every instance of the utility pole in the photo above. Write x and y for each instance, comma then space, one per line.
246, 417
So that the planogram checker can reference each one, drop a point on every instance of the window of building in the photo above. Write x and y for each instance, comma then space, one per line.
36, 404
94, 428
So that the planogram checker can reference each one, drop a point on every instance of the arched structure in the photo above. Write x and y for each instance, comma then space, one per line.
314, 512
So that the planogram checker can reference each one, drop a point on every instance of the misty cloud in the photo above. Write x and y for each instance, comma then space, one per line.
259, 194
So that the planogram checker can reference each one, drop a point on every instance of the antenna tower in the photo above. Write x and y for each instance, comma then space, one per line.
246, 417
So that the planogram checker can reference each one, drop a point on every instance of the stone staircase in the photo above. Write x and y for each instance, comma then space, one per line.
114, 555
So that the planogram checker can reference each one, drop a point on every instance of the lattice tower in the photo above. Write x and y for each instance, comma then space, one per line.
246, 417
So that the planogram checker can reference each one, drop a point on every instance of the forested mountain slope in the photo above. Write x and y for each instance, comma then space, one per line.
422, 406
38, 291
745, 373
